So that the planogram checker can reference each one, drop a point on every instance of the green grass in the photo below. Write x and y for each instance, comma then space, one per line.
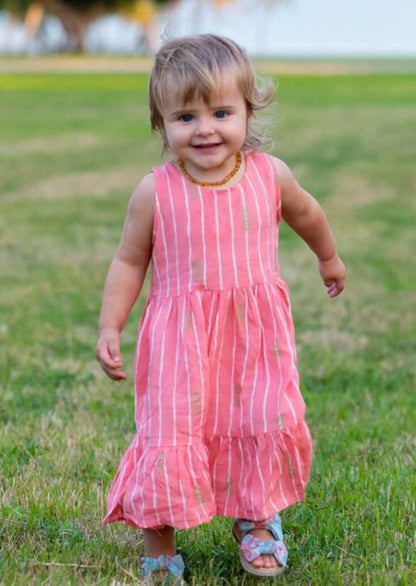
73, 147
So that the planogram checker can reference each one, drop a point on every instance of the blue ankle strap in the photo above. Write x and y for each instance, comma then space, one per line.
173, 564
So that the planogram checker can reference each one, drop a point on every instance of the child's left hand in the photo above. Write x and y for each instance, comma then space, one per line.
333, 274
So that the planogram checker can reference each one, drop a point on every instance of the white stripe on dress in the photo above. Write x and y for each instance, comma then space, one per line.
156, 508
266, 362
228, 482
276, 452
161, 366
201, 368
152, 334
188, 381
155, 267
142, 330
175, 385
188, 230
183, 498
156, 274
217, 224
204, 246
299, 467
216, 328
271, 468
292, 360
271, 250
259, 220
243, 374
250, 275
165, 250
168, 495
250, 493
232, 381
193, 475
210, 325
260, 474
243, 470
253, 397
214, 468
175, 230
233, 255
217, 384
275, 337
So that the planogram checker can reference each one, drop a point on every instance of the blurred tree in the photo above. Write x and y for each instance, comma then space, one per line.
77, 15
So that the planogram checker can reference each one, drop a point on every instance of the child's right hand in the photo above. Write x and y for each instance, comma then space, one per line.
333, 274
107, 353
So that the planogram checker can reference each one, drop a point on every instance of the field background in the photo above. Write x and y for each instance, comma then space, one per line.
73, 147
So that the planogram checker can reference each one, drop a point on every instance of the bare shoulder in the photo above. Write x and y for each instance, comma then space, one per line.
143, 197
284, 174
295, 199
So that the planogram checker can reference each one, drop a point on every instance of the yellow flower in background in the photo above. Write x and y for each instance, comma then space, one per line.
142, 11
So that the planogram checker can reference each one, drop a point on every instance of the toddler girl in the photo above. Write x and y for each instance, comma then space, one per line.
220, 418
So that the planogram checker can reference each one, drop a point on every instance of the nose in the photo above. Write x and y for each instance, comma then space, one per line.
205, 126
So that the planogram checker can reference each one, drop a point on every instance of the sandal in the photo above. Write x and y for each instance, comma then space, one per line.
171, 566
251, 547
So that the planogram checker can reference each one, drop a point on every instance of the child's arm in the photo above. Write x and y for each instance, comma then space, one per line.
125, 277
306, 217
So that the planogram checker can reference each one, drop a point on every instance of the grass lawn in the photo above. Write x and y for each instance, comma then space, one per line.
73, 147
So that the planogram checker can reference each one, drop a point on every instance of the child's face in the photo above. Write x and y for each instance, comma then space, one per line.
206, 135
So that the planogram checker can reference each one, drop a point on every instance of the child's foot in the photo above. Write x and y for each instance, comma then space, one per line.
264, 560
166, 570
262, 551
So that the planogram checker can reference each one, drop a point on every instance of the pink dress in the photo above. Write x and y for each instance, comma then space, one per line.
219, 414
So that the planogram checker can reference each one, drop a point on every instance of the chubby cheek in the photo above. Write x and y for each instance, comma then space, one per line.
177, 140
172, 143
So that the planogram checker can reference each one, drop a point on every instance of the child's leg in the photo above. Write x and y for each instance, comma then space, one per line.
159, 558
159, 542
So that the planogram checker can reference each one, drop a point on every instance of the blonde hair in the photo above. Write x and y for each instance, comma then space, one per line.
197, 65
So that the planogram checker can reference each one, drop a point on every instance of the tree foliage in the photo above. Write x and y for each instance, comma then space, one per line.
21, 6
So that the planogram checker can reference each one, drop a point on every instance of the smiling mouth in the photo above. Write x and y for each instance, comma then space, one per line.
206, 146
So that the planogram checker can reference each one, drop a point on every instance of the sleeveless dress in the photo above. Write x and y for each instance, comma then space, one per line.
219, 414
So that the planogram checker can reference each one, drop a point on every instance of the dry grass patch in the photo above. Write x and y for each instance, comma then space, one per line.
135, 64
353, 189
66, 143
74, 185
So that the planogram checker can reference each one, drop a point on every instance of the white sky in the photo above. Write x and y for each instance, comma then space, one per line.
307, 27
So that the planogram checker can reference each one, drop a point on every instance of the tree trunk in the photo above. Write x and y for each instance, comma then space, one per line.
75, 22
33, 18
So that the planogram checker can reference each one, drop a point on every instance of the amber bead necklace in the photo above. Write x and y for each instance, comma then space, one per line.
226, 179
